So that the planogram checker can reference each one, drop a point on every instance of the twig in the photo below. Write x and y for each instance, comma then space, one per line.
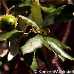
63, 41
55, 61
67, 32
6, 7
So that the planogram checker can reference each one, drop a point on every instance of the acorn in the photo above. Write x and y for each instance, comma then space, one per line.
8, 22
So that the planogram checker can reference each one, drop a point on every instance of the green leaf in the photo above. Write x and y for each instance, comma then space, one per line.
22, 19
26, 3
22, 26
49, 20
65, 17
31, 60
41, 56
67, 13
14, 47
34, 65
30, 17
0, 61
36, 13
62, 45
28, 58
57, 49
25, 6
49, 9
11, 35
32, 44
3, 59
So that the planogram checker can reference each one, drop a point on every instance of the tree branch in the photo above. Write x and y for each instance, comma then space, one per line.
6, 7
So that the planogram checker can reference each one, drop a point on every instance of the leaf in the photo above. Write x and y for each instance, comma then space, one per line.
41, 56
30, 17
11, 35
22, 26
10, 56
57, 49
26, 3
65, 17
25, 8
28, 58
62, 58
49, 9
67, 13
22, 19
49, 20
14, 47
3, 59
0, 61
62, 45
36, 13
34, 65
32, 44
31, 60
44, 31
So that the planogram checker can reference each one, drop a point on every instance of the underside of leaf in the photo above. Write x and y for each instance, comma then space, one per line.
23, 19
57, 49
14, 47
32, 44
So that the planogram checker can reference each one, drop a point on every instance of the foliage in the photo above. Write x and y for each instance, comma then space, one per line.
32, 48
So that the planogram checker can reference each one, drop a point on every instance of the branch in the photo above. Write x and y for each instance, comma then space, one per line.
67, 32
63, 41
6, 7
55, 61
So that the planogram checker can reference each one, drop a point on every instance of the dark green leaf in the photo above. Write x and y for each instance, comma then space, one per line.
31, 60
49, 20
14, 47
62, 45
28, 58
11, 35
57, 49
25, 8
65, 17
41, 56
3, 59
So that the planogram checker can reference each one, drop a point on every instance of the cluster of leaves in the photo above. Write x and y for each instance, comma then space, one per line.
33, 47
